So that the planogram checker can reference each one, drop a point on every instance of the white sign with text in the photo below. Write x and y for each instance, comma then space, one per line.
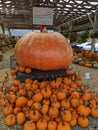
42, 16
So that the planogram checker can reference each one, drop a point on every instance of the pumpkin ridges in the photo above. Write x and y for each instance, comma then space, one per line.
83, 121
42, 61
66, 115
94, 112
20, 117
34, 114
10, 120
41, 124
52, 125
7, 110
30, 125
63, 126
73, 122
21, 101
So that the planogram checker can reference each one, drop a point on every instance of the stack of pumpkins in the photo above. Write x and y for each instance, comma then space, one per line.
86, 58
59, 104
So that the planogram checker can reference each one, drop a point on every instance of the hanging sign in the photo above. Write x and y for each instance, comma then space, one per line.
42, 16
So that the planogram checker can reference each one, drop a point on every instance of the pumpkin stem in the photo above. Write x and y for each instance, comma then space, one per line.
7, 102
42, 118
36, 91
6, 78
33, 108
45, 30
45, 88
11, 118
4, 90
62, 120
61, 87
52, 118
7, 74
52, 106
85, 103
93, 94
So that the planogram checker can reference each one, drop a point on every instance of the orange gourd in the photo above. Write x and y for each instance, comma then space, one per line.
63, 126
53, 112
42, 124
66, 115
29, 125
37, 97
43, 51
44, 109
21, 101
94, 112
83, 121
7, 110
10, 120
52, 125
34, 114
65, 104
46, 92
20, 117
73, 122
88, 65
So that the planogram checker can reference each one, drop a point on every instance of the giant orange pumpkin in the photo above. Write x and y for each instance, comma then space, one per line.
43, 51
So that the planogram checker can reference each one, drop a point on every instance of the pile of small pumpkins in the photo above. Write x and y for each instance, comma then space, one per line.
86, 58
59, 104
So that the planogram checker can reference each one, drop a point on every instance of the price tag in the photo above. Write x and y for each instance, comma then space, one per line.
87, 75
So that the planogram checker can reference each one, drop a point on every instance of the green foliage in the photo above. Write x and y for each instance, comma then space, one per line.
66, 35
93, 34
74, 37
83, 37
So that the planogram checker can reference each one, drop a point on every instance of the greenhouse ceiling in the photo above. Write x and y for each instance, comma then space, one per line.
18, 14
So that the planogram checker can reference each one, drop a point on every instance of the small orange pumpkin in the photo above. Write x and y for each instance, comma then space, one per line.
34, 114
8, 110
46, 92
10, 120
37, 97
94, 112
28, 70
83, 121
73, 122
52, 125
21, 101
20, 117
63, 126
53, 112
44, 109
66, 115
41, 124
29, 125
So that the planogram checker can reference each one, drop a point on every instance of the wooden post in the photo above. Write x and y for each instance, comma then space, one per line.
3, 29
70, 25
94, 26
